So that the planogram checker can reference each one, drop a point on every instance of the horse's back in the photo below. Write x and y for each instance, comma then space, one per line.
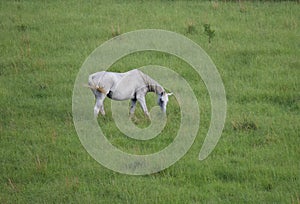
123, 84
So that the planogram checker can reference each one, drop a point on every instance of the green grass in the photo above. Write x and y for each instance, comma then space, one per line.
256, 50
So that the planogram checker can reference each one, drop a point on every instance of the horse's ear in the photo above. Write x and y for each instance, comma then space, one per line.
170, 94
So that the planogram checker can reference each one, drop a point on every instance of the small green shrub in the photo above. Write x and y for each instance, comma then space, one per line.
209, 32
244, 124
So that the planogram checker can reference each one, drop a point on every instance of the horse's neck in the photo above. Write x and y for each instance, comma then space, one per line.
155, 87
151, 84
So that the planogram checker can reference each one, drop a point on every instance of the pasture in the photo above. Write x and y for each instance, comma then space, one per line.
254, 45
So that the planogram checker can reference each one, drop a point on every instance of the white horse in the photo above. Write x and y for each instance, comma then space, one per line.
132, 85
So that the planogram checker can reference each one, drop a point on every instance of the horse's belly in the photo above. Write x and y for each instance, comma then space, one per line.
121, 96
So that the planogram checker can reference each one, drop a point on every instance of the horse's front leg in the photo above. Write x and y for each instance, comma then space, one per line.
142, 101
132, 107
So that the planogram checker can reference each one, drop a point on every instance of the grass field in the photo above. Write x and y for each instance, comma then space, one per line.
256, 50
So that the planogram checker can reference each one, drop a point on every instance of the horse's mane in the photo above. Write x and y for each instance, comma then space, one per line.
152, 85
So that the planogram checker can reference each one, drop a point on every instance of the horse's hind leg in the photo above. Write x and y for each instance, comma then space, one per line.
99, 105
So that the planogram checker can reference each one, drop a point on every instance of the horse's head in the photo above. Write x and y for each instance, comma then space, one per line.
163, 99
